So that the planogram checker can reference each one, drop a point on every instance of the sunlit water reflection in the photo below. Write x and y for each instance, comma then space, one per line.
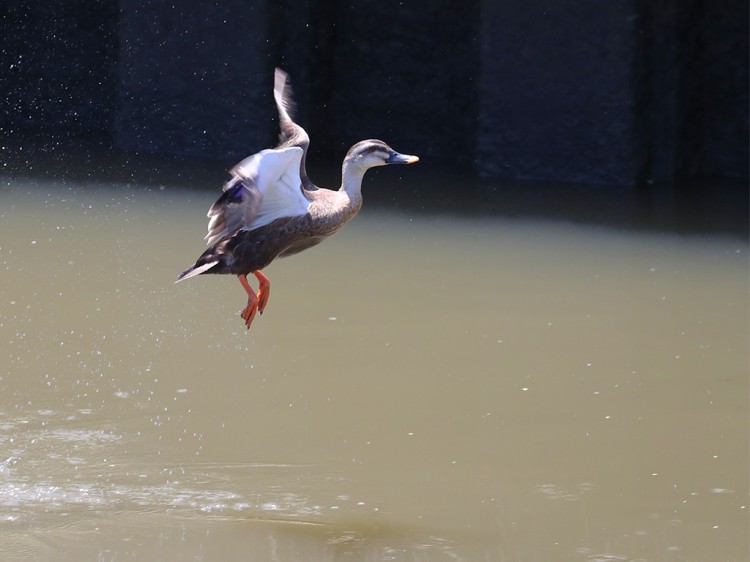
420, 388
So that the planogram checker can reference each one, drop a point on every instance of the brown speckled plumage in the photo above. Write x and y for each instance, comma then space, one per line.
250, 226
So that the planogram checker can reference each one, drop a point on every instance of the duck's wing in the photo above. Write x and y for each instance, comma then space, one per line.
236, 207
291, 133
263, 187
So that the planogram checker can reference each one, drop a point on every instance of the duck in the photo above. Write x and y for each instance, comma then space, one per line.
269, 208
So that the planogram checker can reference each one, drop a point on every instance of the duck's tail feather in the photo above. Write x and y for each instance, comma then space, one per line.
196, 270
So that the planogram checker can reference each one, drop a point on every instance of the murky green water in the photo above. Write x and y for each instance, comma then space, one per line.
420, 389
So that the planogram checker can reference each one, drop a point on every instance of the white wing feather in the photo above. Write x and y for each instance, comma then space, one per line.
275, 172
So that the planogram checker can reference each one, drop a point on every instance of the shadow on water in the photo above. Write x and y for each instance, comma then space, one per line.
454, 385
698, 206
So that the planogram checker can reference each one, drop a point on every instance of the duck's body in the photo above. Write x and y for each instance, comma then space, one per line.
252, 250
270, 208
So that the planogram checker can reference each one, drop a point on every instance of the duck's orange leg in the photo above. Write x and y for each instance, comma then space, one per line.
248, 313
264, 291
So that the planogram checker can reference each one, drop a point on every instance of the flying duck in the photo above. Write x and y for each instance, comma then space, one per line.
271, 209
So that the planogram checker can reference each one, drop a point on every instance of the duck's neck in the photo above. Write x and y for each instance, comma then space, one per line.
351, 182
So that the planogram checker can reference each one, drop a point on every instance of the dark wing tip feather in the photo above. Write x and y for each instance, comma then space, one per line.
291, 133
283, 95
236, 208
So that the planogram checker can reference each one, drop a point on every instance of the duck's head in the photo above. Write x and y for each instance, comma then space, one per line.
370, 153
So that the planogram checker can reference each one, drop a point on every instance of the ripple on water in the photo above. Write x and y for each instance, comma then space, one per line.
74, 471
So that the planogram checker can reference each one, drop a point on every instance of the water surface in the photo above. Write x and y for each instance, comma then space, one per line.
420, 388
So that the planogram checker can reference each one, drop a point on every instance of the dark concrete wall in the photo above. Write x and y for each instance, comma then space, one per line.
413, 80
557, 91
192, 77
57, 68
692, 78
724, 59
620, 92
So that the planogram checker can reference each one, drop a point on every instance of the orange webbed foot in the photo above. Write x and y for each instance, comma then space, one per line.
255, 303
249, 312
264, 291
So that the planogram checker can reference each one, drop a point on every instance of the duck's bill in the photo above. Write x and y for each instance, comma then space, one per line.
397, 158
